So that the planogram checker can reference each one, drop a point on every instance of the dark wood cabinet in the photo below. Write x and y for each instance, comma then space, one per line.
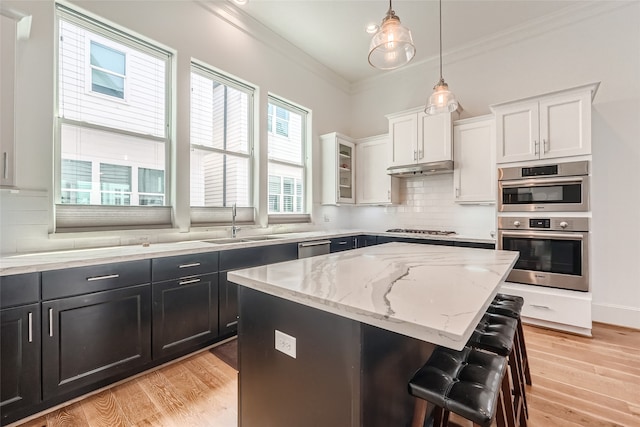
94, 337
365, 240
19, 358
20, 342
185, 315
228, 301
339, 244
243, 258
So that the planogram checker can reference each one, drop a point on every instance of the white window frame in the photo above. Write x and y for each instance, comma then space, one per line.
305, 165
69, 218
218, 215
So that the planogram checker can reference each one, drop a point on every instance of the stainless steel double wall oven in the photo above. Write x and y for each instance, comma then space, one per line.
554, 248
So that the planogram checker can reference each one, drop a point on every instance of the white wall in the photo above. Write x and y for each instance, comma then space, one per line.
600, 43
192, 30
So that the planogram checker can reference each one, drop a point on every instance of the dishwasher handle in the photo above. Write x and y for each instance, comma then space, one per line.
315, 243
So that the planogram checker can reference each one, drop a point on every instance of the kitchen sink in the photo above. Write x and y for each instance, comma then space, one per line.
232, 240
224, 241
260, 238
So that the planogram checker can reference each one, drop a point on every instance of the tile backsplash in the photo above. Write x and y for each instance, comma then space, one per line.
425, 203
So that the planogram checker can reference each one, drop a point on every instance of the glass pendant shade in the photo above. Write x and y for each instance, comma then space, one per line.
442, 100
392, 46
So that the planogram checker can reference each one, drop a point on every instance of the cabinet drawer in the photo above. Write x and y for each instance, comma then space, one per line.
553, 305
19, 289
251, 257
340, 244
176, 267
84, 280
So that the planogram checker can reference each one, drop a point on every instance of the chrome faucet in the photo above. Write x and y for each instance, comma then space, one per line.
234, 229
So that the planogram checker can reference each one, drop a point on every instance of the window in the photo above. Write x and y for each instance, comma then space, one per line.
278, 120
285, 194
287, 160
112, 126
107, 70
151, 187
76, 182
221, 140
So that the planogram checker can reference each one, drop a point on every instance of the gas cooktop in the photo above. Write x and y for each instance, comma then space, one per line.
431, 232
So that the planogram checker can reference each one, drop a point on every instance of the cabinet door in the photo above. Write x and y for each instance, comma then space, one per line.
340, 244
346, 171
95, 338
228, 302
474, 162
7, 87
19, 358
185, 314
374, 186
434, 138
565, 125
517, 132
403, 132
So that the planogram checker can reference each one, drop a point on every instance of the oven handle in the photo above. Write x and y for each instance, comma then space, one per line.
541, 181
543, 234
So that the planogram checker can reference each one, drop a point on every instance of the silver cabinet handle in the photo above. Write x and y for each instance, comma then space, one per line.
5, 165
544, 307
232, 323
193, 264
342, 243
187, 282
415, 154
535, 147
457, 192
51, 322
420, 154
388, 194
545, 146
108, 276
30, 327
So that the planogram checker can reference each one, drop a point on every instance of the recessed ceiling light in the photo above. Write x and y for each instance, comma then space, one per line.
241, 2
372, 28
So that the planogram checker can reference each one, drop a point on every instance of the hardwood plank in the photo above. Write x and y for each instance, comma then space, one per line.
102, 410
69, 416
136, 405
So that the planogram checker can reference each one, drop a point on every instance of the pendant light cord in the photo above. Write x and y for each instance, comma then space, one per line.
440, 3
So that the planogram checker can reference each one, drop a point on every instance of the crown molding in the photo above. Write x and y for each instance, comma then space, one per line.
261, 33
565, 17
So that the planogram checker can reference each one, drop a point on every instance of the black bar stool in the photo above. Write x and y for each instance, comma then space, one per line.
470, 383
511, 305
497, 334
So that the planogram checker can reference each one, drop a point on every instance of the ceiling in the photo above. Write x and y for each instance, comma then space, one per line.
333, 31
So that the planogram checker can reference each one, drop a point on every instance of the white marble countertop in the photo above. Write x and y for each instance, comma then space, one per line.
433, 293
56, 260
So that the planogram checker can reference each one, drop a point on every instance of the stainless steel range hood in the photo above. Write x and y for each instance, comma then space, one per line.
421, 169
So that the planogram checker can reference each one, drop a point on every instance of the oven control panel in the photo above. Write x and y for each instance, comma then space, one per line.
540, 223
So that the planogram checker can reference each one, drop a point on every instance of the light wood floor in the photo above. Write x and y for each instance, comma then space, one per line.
577, 381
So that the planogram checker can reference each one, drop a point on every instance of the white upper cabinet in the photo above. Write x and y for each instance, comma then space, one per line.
474, 163
7, 85
338, 169
418, 138
547, 126
374, 185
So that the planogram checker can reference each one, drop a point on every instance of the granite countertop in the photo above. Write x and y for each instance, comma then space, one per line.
56, 260
433, 293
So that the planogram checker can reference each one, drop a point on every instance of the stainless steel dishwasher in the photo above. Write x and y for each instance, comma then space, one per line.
316, 247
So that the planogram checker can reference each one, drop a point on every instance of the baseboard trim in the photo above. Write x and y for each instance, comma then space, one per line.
618, 315
557, 326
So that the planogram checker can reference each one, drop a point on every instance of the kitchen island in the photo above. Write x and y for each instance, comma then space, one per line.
332, 340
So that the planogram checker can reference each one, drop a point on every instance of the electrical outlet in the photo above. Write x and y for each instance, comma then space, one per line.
286, 344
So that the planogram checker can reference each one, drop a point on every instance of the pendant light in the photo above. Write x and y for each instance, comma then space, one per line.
392, 46
442, 100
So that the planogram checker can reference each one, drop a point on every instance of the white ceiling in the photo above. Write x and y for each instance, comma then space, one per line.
333, 31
